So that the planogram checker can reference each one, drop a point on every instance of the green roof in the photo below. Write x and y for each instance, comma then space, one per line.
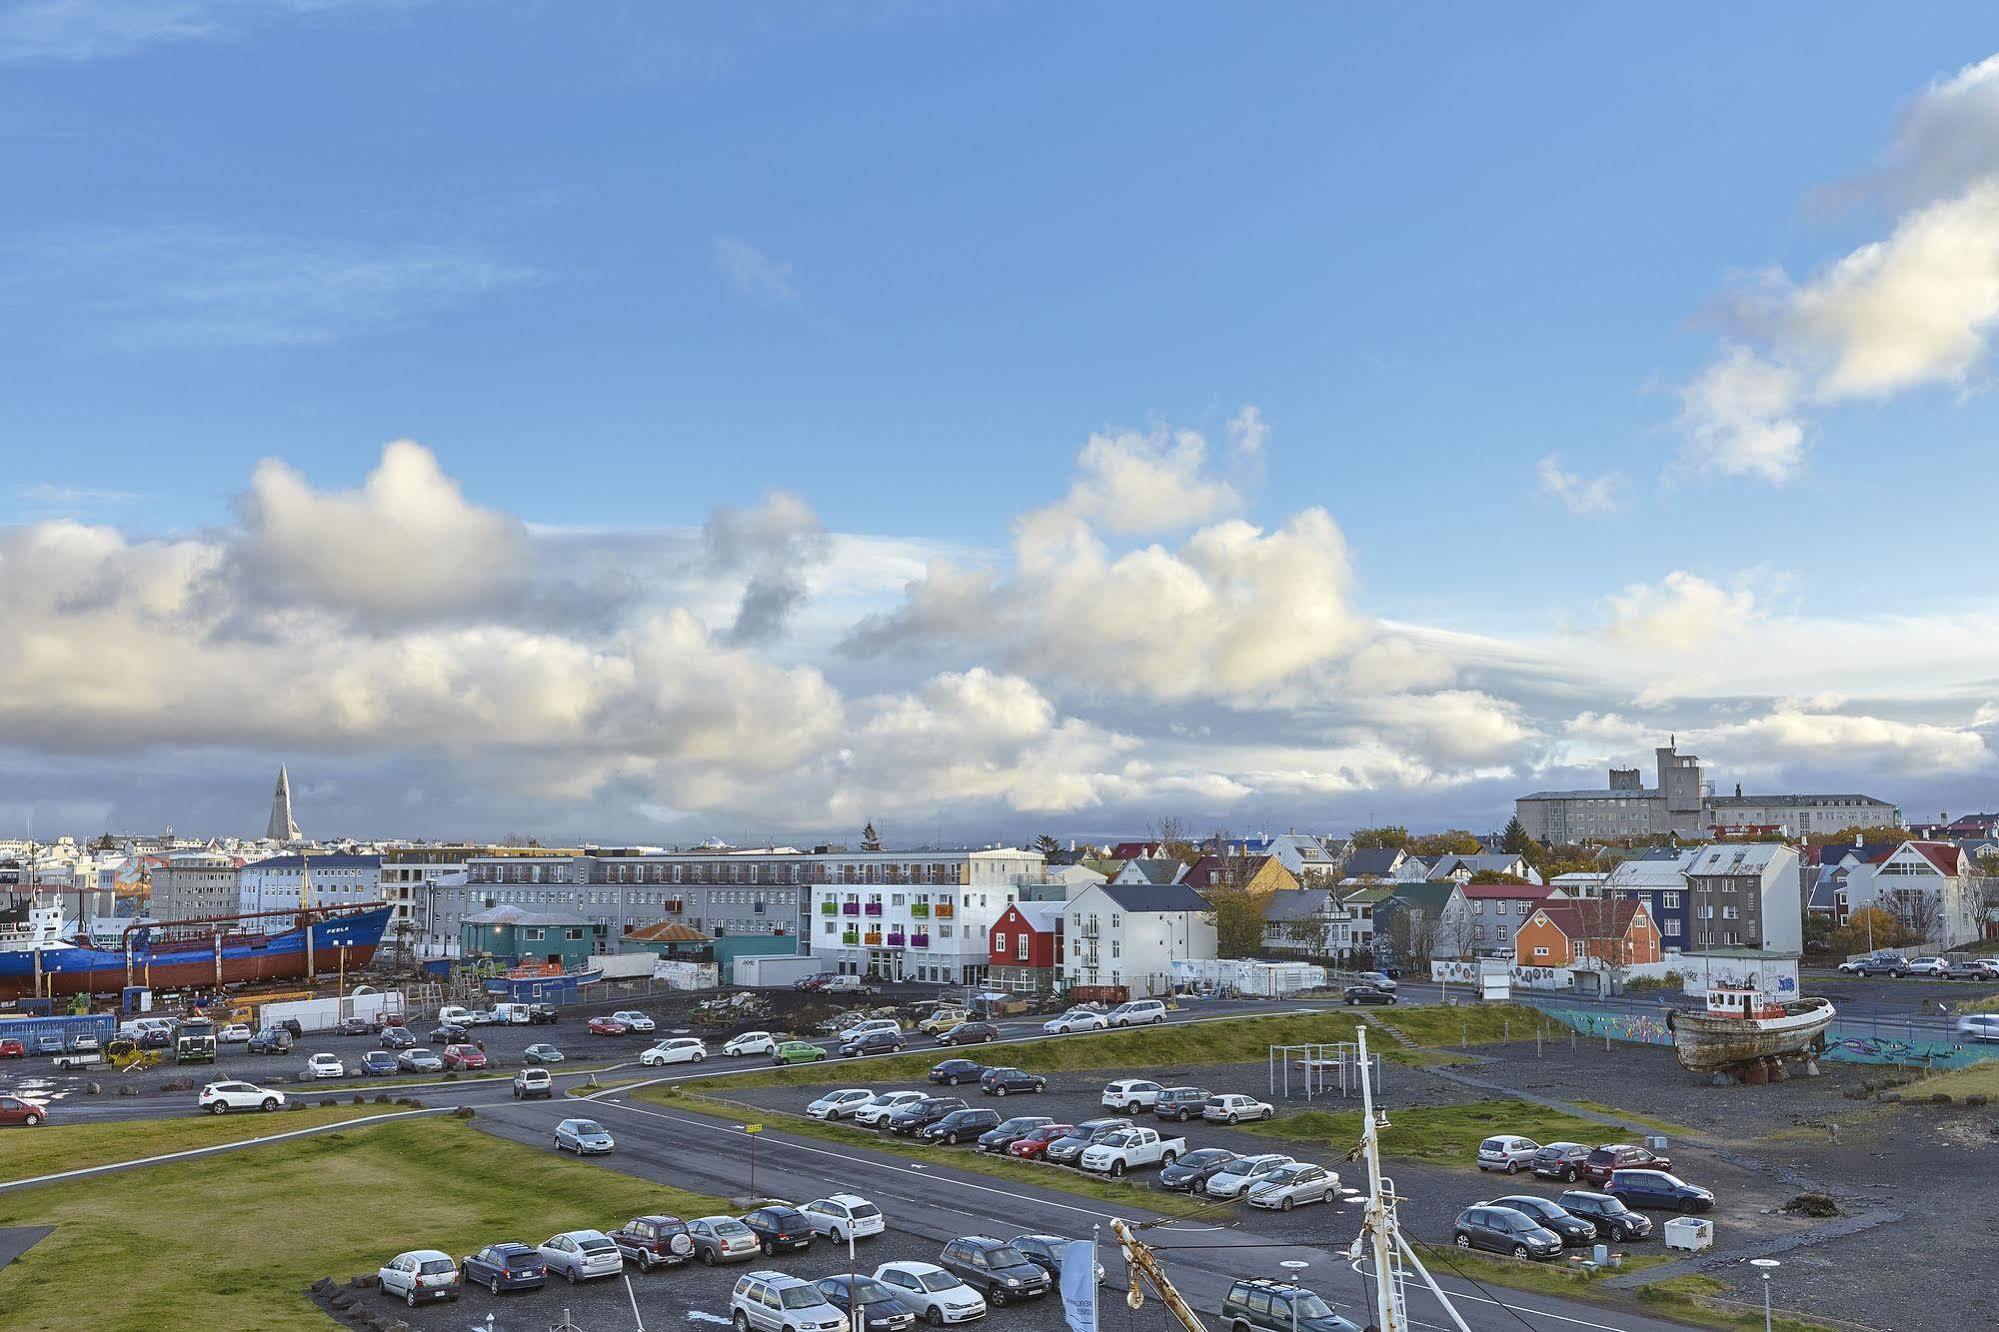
1369, 896
1426, 896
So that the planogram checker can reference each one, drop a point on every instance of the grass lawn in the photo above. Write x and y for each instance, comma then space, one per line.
1697, 1299
1448, 1025
1567, 1277
234, 1240
1448, 1135
56, 1146
1989, 1004
1980, 1078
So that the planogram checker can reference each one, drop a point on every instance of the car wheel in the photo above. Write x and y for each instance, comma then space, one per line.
1687, 1206
219, 1108
1569, 1175
999, 1091
770, 1250
1232, 1117
999, 1298
270, 1103
934, 1316
1286, 1204
707, 1257
1040, 1087
950, 1082
1117, 1170
409, 1297
1512, 1167
32, 1120
1520, 1251
1462, 1240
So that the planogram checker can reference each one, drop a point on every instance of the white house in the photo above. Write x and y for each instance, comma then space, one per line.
1926, 884
916, 915
1132, 934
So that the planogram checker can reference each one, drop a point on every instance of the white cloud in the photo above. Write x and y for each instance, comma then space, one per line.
1684, 613
1948, 137
753, 271
1585, 496
1739, 419
1248, 431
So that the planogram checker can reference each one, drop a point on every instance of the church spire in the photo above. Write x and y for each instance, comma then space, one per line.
281, 828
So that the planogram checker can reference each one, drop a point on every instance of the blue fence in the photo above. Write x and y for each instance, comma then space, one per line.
1847, 1042
29, 1030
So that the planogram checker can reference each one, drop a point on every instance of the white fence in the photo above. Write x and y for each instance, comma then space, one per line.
1266, 980
1776, 973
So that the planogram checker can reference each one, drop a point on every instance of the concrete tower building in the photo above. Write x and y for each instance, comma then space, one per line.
281, 828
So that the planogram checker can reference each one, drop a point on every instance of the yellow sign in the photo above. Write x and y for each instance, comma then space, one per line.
753, 1128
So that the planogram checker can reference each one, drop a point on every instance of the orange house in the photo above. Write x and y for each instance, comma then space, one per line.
1563, 933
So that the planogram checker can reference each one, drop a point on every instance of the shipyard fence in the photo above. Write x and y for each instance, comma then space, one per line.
65, 1027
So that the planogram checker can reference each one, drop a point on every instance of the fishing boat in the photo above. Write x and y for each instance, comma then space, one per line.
35, 958
1742, 1027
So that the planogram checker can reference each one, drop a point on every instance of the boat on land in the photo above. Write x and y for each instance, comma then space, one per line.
1743, 1027
223, 950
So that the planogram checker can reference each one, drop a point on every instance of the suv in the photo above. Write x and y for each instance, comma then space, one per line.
779, 1227
1069, 1148
1572, 1229
876, 1113
533, 1083
1130, 1094
1138, 1011
1000, 1081
968, 1031
994, 1268
1599, 1164
653, 1241
773, 1302
1508, 1152
872, 1043
921, 1114
960, 1125
1612, 1219
1181, 1103
839, 1215
222, 1097
1261, 1305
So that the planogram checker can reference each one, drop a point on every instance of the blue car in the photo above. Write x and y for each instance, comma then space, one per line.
1658, 1191
378, 1063
508, 1266
48, 1045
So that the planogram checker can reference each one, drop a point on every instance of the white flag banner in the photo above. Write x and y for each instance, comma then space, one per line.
1079, 1285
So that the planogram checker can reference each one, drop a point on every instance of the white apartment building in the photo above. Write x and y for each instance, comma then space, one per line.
1132, 934
913, 915
277, 885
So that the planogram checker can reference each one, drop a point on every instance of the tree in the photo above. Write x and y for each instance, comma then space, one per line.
106, 842
1412, 934
1515, 841
1494, 876
1174, 839
1312, 933
1921, 912
1869, 928
1456, 842
870, 839
1389, 836
1047, 845
1235, 911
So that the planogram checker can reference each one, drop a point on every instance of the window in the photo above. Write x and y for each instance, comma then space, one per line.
1540, 952
1669, 901
1023, 948
999, 940
831, 927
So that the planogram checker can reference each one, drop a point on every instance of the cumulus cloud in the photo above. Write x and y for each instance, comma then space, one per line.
1740, 419
773, 548
1585, 496
1684, 613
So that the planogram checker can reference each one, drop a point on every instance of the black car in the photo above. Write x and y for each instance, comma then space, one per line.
1066, 1149
541, 1015
1572, 1229
960, 1126
1504, 1230
1011, 1131
293, 1026
994, 1268
779, 1229
1003, 1081
351, 1027
1366, 994
965, 1033
1181, 1103
378, 1063
880, 1310
919, 1115
873, 1042
1191, 1171
1612, 1218
1560, 1160
954, 1071
1659, 1190
1045, 1252
449, 1033
271, 1040
397, 1038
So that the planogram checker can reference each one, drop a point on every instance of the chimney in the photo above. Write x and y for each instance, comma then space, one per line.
1856, 839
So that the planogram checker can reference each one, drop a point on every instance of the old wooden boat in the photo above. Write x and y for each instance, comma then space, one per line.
1742, 1025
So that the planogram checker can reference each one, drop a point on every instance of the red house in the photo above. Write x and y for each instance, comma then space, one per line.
1024, 948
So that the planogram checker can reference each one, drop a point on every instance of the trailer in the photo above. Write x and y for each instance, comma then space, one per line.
778, 970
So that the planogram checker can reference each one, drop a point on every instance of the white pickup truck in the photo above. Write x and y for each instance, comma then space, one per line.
1132, 1147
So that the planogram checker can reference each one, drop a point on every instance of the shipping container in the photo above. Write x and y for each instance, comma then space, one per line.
772, 970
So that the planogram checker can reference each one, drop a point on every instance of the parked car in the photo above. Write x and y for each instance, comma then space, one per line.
678, 1050
773, 1302
942, 1019
1128, 1149
779, 1228
234, 1033
608, 1026
1005, 1081
634, 1020
959, 1126
818, 982
16, 1110
542, 1015
1504, 1230
508, 1266
1366, 994
1288, 1186
1031, 1145
838, 1104
869, 1305
1138, 1012
851, 985
469, 1058
1262, 1305
397, 1038
1560, 1160
842, 1214
1235, 1178
533, 1084
1889, 964
873, 1043
722, 1239
270, 1040
582, 1136
1508, 1152
797, 1052
542, 1053
1979, 1026
1069, 1148
324, 1066
1181, 1103
221, 1097
1613, 1220
750, 1043
378, 1063
875, 1113
352, 1026
1191, 1171
653, 1241
954, 1071
1232, 1108
969, 1033
994, 1268
1009, 1131
867, 1025
1075, 1020
1552, 1215
939, 1296
52, 1044
920, 1114
1928, 966
580, 1255
1599, 1164
419, 1276
455, 1014
484, 1017
1657, 1190
1045, 1252
13, 1049
449, 1033
419, 1061
154, 1038
1130, 1095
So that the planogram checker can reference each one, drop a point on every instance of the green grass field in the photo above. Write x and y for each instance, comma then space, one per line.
56, 1147
1698, 1299
1978, 1079
233, 1240
1568, 1277
1448, 1135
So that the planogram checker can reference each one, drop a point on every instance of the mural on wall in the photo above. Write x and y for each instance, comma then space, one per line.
1939, 1052
1638, 1028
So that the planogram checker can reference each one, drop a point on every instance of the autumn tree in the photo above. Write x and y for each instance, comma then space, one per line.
1388, 837
1456, 842
1175, 840
1494, 876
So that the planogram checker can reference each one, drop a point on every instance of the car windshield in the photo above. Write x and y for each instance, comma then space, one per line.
436, 1266
1286, 1174
801, 1297
1531, 1206
1307, 1305
871, 1292
935, 1281
1005, 1256
588, 1126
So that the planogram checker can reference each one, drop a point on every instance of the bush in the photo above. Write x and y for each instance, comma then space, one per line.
463, 1112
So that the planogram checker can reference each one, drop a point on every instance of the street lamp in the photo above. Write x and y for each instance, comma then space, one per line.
1764, 1266
1295, 1266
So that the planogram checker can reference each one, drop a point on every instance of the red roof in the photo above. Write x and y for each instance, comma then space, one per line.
1944, 855
1512, 892
1585, 920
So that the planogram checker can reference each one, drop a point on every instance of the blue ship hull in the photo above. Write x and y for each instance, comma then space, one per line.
347, 938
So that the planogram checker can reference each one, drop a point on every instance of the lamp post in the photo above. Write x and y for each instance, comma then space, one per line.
1764, 1267
1295, 1266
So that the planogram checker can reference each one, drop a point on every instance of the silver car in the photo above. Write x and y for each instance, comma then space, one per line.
1235, 1178
579, 1255
1287, 1186
582, 1136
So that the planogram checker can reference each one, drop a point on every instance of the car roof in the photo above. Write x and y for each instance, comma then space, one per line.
913, 1267
420, 1253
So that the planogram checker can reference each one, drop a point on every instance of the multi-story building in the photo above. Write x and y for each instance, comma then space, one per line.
279, 884
1609, 931
1130, 935
1928, 886
1683, 805
1660, 882
915, 915
409, 875
194, 884
1746, 895
1497, 910
1026, 953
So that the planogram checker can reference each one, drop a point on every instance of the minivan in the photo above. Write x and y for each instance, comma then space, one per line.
1138, 1011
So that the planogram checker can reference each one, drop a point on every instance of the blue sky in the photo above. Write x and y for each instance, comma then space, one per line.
615, 267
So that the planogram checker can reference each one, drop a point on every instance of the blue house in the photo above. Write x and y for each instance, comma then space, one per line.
1660, 882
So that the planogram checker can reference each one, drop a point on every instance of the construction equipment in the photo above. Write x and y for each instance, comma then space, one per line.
125, 1056
1145, 1270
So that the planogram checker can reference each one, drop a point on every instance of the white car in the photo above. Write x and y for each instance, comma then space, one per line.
1928, 966
635, 1020
1130, 1094
1239, 1175
1380, 980
679, 1050
875, 1113
221, 1097
419, 1275
1137, 1013
751, 1043
454, 1015
844, 1214
325, 1066
839, 1104
1979, 1026
1508, 1152
933, 1292
578, 1255
1076, 1019
770, 1301
234, 1034
1232, 1109
1288, 1186
860, 1029
484, 1017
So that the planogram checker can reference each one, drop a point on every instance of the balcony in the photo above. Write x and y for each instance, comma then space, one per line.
829, 908
920, 910
896, 939
874, 938
851, 937
850, 908
920, 939
874, 908
945, 911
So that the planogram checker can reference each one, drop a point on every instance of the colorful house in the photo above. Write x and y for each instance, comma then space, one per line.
1025, 948
1616, 931
1258, 874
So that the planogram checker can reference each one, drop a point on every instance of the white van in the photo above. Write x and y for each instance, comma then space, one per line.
1138, 1011
133, 1028
512, 1014
454, 1013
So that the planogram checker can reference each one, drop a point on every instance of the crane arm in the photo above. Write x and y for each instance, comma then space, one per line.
1139, 1256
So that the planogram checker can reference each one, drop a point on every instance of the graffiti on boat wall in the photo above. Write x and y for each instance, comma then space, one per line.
1641, 1028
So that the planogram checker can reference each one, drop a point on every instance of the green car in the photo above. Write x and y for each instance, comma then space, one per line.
1260, 1305
797, 1052
542, 1054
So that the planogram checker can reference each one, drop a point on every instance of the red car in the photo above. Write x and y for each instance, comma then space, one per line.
464, 1056
11, 1049
14, 1110
1620, 1156
1036, 1142
607, 1026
